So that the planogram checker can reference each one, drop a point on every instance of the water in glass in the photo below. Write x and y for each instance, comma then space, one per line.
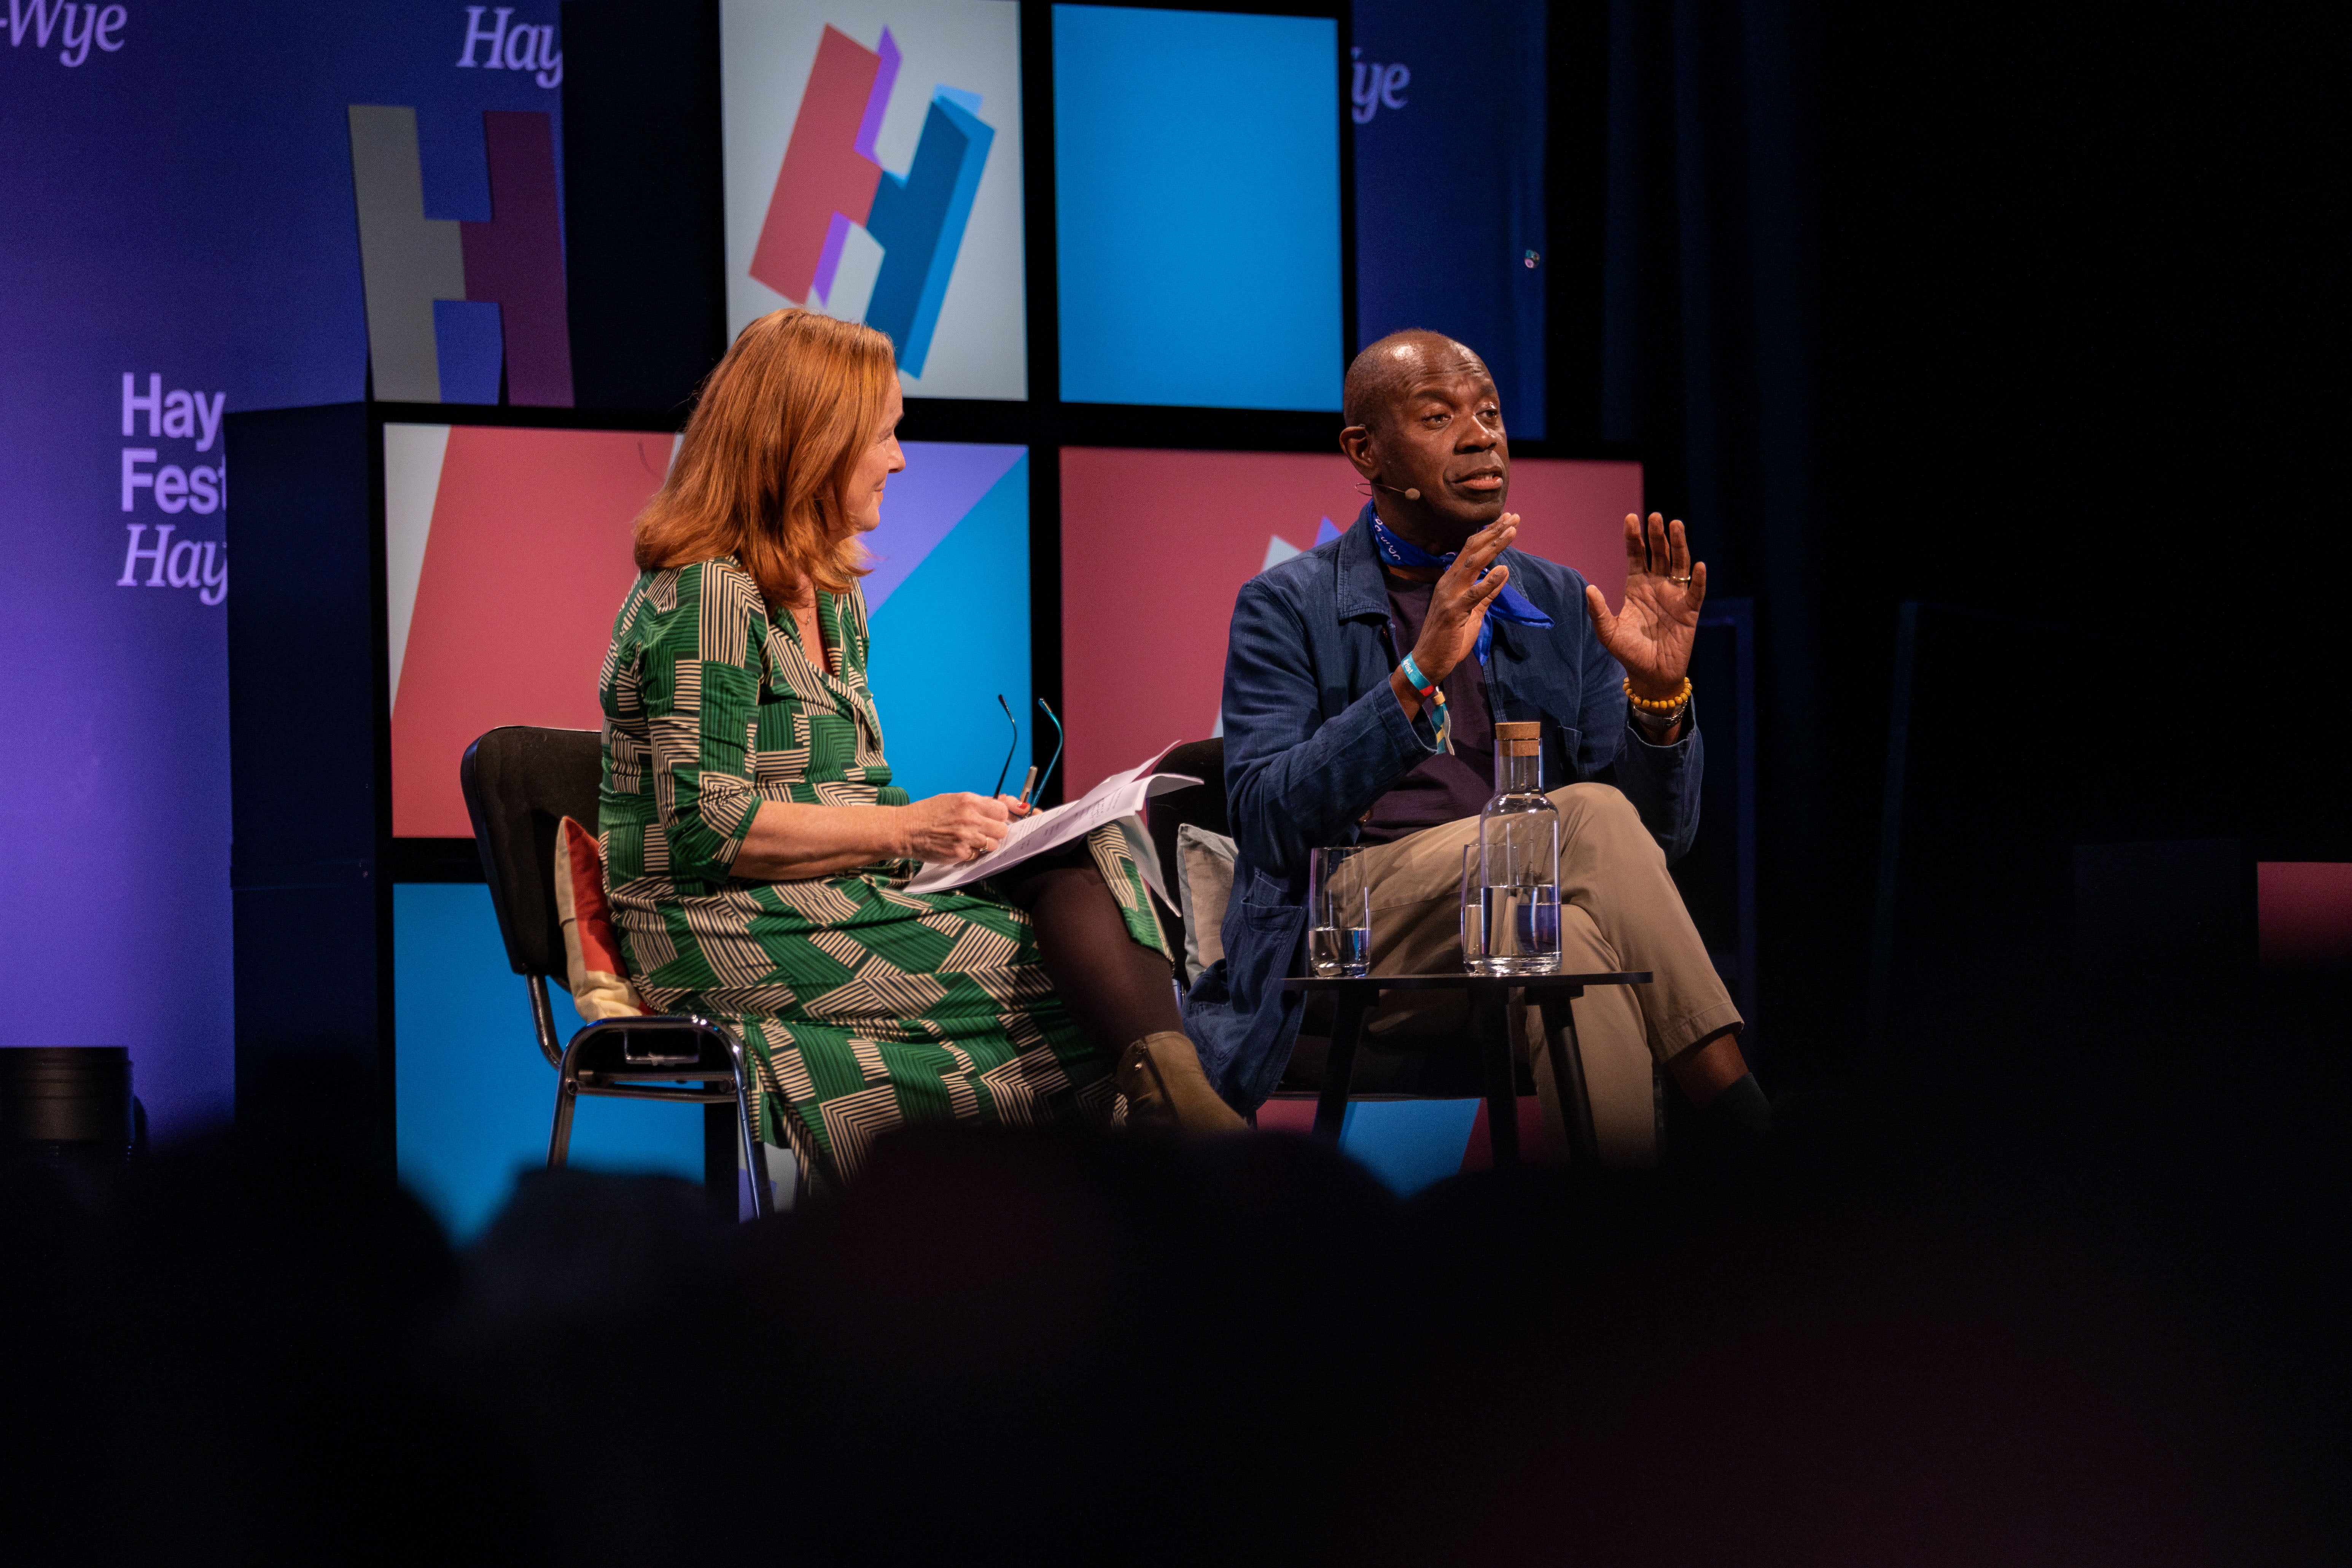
1339, 950
1340, 912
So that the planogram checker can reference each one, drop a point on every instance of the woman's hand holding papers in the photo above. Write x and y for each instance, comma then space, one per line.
948, 829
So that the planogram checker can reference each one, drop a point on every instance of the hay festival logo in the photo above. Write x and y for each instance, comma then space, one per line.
76, 28
832, 178
459, 311
518, 46
201, 489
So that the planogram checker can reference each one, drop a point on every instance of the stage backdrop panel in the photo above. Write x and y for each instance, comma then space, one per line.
1156, 544
507, 555
947, 601
476, 1099
1436, 109
874, 173
1196, 174
181, 242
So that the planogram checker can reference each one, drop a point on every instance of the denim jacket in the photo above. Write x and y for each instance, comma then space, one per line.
1314, 734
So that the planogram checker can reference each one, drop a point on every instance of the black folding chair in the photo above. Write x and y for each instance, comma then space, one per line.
519, 784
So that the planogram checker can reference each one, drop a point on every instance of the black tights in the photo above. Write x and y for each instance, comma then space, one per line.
1116, 988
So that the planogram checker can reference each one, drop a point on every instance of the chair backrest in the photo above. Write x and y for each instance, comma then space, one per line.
1202, 806
520, 782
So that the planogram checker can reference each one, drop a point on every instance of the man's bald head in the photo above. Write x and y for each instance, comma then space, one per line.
1384, 372
1425, 432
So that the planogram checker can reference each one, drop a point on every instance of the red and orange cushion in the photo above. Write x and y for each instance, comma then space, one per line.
592, 949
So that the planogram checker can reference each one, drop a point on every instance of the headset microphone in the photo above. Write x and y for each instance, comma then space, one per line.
1408, 494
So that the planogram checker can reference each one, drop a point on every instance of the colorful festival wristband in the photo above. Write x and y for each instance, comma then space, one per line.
1441, 719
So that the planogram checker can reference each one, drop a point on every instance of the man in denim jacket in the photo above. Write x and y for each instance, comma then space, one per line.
1332, 675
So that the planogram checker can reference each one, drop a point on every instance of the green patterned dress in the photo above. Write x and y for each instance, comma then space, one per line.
865, 1006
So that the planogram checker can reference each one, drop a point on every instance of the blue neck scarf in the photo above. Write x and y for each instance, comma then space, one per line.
1510, 605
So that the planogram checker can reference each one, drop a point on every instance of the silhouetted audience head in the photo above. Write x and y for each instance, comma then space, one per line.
1060, 1347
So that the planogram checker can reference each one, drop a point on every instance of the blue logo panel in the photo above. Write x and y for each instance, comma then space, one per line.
952, 635
476, 1098
1197, 206
919, 222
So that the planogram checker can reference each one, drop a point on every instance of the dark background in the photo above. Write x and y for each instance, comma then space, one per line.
2024, 311
1993, 351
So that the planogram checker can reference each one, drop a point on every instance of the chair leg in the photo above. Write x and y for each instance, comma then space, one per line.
1490, 1018
559, 1140
755, 1148
1567, 1075
542, 1020
1339, 1065
723, 1159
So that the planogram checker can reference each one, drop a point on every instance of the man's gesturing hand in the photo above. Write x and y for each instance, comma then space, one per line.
1651, 636
949, 829
1457, 606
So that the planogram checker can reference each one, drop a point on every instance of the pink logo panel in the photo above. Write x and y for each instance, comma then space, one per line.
526, 563
829, 166
1156, 544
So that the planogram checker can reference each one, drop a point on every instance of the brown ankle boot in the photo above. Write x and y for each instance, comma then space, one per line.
1160, 1076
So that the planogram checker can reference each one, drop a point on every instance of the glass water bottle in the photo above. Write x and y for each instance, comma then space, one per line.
1518, 861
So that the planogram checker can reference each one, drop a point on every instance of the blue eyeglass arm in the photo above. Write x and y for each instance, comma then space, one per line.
1038, 789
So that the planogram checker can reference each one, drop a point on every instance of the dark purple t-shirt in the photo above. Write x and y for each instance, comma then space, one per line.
1442, 788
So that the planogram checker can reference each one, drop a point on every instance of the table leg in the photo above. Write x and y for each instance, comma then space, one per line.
1567, 1074
1350, 1003
1490, 1009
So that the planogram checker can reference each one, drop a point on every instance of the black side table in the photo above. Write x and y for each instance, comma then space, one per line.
1554, 994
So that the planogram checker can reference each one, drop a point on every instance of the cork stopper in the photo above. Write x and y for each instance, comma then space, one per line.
1519, 738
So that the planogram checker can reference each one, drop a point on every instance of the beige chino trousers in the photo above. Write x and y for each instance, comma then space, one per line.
1619, 909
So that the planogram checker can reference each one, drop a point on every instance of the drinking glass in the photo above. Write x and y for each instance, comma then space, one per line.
1338, 913
1473, 914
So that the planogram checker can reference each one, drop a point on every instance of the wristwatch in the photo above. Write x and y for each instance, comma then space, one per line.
1658, 725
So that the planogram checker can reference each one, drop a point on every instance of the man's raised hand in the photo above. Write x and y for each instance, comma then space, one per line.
1652, 635
1457, 606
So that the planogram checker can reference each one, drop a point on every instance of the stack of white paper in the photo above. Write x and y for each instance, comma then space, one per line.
1117, 797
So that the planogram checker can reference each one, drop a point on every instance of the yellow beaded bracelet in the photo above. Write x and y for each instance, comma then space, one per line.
1665, 705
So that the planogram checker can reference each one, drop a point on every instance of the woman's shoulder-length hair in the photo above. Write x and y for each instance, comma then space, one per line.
778, 430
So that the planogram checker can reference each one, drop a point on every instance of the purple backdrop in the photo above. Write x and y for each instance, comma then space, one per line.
178, 201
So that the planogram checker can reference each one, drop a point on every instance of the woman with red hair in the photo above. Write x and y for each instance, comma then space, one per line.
756, 852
